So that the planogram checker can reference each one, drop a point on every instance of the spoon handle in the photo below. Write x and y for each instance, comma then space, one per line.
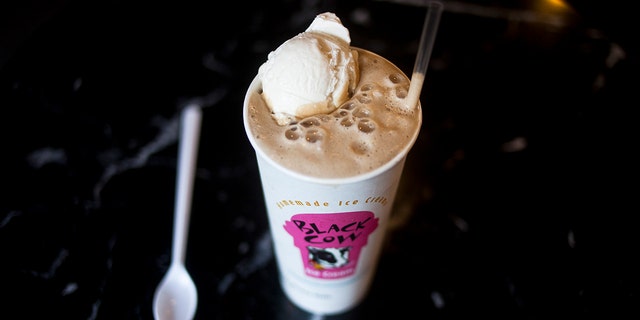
190, 121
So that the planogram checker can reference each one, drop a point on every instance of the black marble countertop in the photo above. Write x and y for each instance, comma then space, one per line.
517, 199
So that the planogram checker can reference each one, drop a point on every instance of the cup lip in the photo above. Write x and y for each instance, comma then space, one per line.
255, 82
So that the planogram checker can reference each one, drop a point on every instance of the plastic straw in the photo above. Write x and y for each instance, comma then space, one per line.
429, 30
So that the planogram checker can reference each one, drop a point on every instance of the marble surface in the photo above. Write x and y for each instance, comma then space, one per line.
517, 201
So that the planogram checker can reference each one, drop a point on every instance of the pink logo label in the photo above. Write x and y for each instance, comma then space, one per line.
330, 243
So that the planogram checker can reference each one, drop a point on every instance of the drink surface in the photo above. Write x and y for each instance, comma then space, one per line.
368, 131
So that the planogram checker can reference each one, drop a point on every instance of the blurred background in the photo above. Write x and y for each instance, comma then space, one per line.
518, 201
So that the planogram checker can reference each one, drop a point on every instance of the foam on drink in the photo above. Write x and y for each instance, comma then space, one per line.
364, 133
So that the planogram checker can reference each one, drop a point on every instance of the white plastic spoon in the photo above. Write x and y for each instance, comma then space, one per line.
176, 298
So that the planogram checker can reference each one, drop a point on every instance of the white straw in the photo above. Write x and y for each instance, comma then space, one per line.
429, 30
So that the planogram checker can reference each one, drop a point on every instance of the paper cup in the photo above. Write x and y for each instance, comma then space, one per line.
327, 233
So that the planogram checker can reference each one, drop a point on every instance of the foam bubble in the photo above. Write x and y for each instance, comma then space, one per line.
314, 135
361, 112
364, 98
401, 92
395, 78
347, 122
359, 148
348, 105
310, 122
292, 133
366, 125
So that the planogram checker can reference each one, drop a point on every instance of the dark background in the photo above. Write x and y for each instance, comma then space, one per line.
518, 202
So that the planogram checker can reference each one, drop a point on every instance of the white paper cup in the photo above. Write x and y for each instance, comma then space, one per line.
327, 233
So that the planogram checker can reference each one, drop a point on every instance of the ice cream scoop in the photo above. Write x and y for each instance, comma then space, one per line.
311, 73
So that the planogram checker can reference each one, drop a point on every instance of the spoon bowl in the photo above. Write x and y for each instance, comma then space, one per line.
176, 298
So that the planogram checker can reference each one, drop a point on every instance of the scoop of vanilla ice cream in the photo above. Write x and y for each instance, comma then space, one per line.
311, 73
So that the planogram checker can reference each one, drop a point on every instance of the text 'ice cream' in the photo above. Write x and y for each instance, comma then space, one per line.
311, 73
